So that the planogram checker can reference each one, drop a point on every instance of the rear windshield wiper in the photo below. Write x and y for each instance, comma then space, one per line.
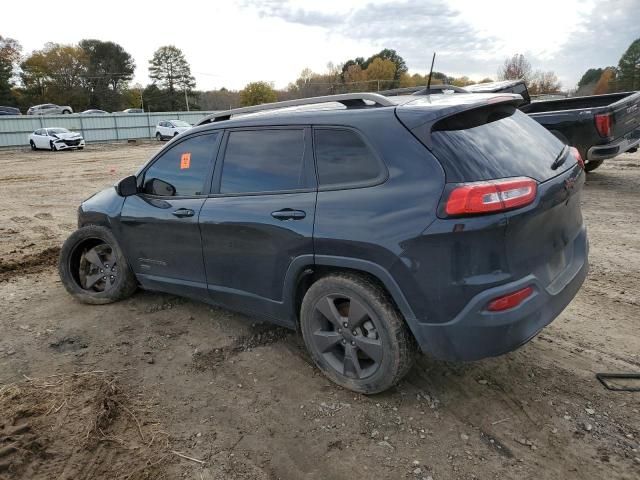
560, 159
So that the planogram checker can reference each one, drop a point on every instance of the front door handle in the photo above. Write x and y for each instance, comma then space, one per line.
184, 212
288, 214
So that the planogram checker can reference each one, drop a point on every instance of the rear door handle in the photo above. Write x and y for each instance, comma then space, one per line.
288, 214
184, 212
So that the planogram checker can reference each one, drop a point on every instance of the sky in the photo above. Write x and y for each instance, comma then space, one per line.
231, 43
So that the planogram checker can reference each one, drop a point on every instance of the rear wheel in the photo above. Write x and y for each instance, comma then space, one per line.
33, 145
93, 268
66, 112
591, 165
354, 333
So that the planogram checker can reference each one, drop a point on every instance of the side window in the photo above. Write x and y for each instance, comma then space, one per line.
181, 170
263, 161
342, 157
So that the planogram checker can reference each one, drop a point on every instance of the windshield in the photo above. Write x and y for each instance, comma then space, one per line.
180, 123
57, 130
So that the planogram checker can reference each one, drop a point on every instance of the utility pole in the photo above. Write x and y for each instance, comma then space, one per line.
186, 99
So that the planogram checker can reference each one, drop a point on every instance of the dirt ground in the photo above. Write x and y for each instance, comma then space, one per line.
162, 387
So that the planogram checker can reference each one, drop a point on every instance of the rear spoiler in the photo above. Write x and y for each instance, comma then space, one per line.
420, 115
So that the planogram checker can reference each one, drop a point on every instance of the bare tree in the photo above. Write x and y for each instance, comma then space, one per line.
515, 68
543, 82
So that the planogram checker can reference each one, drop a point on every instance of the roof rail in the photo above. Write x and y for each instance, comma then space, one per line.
354, 100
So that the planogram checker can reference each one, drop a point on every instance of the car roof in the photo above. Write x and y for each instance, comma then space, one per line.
428, 107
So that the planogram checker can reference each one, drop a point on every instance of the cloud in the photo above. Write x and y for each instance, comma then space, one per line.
414, 28
599, 40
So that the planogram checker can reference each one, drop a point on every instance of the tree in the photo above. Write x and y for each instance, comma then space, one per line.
170, 70
56, 74
515, 68
256, 93
462, 81
628, 77
109, 68
382, 70
590, 76
543, 83
9, 56
606, 82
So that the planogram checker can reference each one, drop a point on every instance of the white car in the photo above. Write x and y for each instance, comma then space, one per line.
171, 128
49, 109
55, 139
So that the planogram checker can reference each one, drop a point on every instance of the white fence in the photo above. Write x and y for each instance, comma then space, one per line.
112, 127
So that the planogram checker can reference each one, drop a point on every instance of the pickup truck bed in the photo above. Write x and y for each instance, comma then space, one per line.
599, 126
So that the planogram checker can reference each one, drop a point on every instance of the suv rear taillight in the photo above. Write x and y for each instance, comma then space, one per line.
603, 124
491, 196
576, 154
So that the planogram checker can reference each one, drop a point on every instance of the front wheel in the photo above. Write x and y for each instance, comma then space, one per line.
52, 146
354, 333
33, 145
92, 267
66, 112
158, 136
591, 165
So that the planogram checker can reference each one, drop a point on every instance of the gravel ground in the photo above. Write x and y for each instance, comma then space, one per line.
173, 378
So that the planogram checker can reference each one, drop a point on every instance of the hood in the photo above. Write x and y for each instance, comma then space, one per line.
68, 136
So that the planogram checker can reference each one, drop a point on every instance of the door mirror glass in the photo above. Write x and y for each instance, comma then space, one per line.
155, 186
127, 186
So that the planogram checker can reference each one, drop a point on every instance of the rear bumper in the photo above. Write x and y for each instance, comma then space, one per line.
610, 150
476, 333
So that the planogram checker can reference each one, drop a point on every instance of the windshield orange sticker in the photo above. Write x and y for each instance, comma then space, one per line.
185, 161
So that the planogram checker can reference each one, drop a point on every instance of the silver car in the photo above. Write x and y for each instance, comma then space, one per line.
49, 109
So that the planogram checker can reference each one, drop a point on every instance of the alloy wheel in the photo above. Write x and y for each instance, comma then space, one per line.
97, 268
345, 334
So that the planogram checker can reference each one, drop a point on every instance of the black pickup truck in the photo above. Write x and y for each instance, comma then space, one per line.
599, 126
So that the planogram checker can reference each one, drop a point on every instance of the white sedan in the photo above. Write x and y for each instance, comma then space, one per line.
171, 128
55, 139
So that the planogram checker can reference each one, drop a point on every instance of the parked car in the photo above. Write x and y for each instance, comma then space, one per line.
49, 109
599, 126
133, 110
94, 111
55, 139
171, 128
373, 230
9, 111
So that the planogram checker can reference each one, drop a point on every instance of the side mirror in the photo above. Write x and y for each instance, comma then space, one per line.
127, 186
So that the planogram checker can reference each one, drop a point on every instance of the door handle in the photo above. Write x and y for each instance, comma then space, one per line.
184, 212
288, 214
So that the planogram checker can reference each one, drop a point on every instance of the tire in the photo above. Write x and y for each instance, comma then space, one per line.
66, 112
80, 148
175, 134
158, 136
375, 324
33, 145
591, 165
82, 272
52, 146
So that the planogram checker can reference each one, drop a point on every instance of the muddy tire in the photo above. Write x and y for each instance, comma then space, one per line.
355, 334
591, 165
92, 267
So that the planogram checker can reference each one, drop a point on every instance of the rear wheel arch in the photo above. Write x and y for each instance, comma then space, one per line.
323, 267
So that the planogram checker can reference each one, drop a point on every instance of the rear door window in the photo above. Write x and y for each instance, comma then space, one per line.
263, 161
343, 158
182, 169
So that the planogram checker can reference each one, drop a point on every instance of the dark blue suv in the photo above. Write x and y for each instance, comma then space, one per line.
376, 225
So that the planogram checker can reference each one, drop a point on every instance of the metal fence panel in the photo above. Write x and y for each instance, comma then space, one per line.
112, 127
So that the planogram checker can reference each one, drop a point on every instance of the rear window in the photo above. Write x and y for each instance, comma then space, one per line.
496, 141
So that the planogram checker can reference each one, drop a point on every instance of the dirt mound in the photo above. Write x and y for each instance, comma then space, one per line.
31, 263
77, 426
